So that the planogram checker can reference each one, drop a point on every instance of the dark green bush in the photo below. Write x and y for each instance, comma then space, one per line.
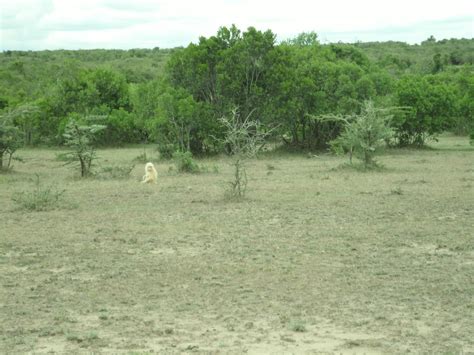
185, 163
166, 150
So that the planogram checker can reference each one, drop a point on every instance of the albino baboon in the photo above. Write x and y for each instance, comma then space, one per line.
150, 174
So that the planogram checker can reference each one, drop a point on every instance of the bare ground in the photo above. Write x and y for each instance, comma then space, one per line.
317, 259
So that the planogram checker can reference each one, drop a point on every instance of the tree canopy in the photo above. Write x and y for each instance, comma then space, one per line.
177, 96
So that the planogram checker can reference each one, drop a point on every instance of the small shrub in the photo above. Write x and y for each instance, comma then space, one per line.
115, 172
166, 150
142, 158
81, 138
471, 137
397, 191
364, 134
10, 141
62, 157
185, 163
244, 138
209, 169
82, 338
40, 198
297, 326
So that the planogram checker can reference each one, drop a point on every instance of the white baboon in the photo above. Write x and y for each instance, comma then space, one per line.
151, 175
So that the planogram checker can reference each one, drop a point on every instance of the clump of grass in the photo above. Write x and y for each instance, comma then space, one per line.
396, 191
41, 198
297, 326
374, 166
62, 156
143, 157
84, 340
270, 166
169, 331
209, 169
115, 172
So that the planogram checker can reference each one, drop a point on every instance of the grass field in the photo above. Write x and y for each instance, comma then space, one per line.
317, 259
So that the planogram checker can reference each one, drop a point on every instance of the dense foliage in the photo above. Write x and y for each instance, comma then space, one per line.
176, 97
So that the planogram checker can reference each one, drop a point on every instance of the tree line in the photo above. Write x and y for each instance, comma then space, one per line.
177, 97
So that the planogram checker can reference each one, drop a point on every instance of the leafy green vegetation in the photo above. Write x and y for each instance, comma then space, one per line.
175, 97
363, 134
80, 137
10, 141
41, 198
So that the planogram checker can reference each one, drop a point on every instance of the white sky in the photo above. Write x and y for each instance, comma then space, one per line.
124, 24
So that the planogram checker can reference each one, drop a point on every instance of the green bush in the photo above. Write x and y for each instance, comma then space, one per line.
471, 136
166, 150
10, 141
185, 163
81, 139
429, 108
364, 134
40, 198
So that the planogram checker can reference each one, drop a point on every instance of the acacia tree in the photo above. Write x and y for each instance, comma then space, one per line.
80, 138
364, 133
244, 138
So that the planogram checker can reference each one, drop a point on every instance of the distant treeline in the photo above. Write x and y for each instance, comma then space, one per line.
175, 97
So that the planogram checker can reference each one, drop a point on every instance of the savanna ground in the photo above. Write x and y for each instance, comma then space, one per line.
317, 259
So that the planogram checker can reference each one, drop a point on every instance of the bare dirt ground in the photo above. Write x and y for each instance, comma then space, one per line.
317, 259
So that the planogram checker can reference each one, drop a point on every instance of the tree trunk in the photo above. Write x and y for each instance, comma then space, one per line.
83, 167
367, 158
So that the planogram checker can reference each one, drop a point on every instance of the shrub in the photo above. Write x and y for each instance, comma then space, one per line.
143, 157
244, 138
41, 198
10, 141
365, 133
81, 139
166, 150
429, 110
185, 163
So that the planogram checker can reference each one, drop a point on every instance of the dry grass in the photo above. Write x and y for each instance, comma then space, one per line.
318, 258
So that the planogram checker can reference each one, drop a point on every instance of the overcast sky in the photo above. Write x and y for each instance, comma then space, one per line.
124, 24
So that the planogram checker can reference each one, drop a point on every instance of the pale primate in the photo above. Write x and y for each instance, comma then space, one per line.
151, 175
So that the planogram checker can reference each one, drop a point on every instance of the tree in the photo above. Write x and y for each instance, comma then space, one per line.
364, 133
109, 88
243, 68
26, 117
244, 137
80, 138
10, 140
225, 70
431, 106
304, 39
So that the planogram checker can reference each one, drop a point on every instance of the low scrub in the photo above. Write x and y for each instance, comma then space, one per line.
185, 163
41, 198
